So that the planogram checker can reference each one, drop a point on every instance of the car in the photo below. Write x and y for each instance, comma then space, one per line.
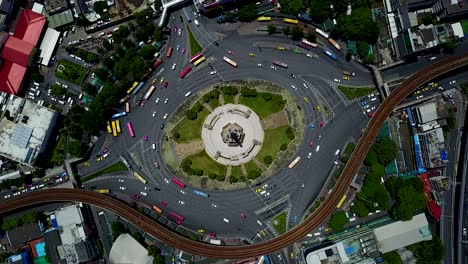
243, 215
213, 72
156, 164
214, 205
464, 231
166, 100
146, 138
154, 81
453, 82
273, 67
311, 143
178, 48
136, 196
417, 92
305, 85
252, 54
162, 80
180, 32
281, 48
122, 188
295, 219
230, 52
312, 126
292, 76
166, 180
259, 65
433, 58
175, 28
173, 66
425, 89
306, 100
162, 126
309, 55
294, 87
213, 234
182, 192
73, 29
363, 103
181, 202
372, 108
143, 193
321, 123
181, 19
318, 108
166, 84
201, 231
266, 194
99, 159
320, 137
157, 100
142, 103
264, 186
258, 190
309, 155
419, 97
154, 113
226, 220
346, 78
164, 203
337, 80
183, 51
6, 196
120, 180
165, 116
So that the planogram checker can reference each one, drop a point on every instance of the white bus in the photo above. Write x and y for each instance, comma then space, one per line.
294, 162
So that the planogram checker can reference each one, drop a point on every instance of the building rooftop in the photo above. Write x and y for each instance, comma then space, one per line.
25, 233
427, 113
30, 26
52, 239
402, 233
70, 222
433, 148
24, 128
48, 45
330, 254
127, 250
60, 19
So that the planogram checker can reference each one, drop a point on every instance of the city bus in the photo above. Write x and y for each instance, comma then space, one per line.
304, 46
137, 89
117, 125
233, 63
127, 107
181, 184
132, 88
281, 64
139, 177
125, 162
157, 209
150, 92
157, 63
341, 201
130, 129
179, 219
109, 128
169, 52
196, 57
200, 60
291, 21
102, 191
114, 129
197, 192
185, 71
336, 45
321, 33
124, 99
264, 19
294, 162
119, 115
308, 43
329, 54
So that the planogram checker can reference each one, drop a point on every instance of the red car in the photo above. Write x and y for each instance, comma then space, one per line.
311, 143
175, 29
166, 84
164, 203
230, 52
243, 215
213, 234
136, 196
321, 123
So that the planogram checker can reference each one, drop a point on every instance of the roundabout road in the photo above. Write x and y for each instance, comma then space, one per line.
297, 233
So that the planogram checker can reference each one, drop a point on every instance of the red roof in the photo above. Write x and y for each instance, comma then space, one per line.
426, 185
30, 26
11, 76
434, 209
17, 50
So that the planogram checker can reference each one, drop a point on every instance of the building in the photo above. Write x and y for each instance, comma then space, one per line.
334, 253
21, 235
402, 233
25, 129
432, 144
426, 113
127, 250
6, 9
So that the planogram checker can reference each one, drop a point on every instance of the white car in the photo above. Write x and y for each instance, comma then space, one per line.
213, 72
433, 58
293, 86
157, 100
121, 180
147, 188
122, 188
214, 205
182, 192
167, 100
453, 82
181, 202
259, 65
226, 220
7, 196
305, 85
309, 155
266, 194
464, 231
337, 80
264, 186
166, 180
309, 55
260, 223
165, 116
143, 193
154, 113
173, 66
419, 97
273, 67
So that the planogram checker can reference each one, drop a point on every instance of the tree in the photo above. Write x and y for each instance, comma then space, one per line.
57, 90
428, 252
290, 133
358, 26
286, 30
429, 19
362, 49
296, 33
37, 77
451, 119
247, 13
392, 257
268, 159
371, 158
408, 202
144, 16
153, 251
320, 10
292, 7
338, 221
448, 47
386, 150
82, 21
158, 260
348, 55
158, 34
100, 6
107, 45
75, 148
271, 29
311, 36
284, 147
117, 229
147, 52
89, 89
253, 174
359, 208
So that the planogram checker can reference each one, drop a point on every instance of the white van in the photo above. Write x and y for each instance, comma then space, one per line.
226, 220
317, 149
35, 83
154, 146
38, 93
188, 94
337, 152
80, 96
31, 94
373, 99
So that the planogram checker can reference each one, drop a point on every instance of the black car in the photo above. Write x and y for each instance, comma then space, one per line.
258, 184
216, 43
162, 126
181, 19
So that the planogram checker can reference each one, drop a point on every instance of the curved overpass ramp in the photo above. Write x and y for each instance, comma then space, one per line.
236, 252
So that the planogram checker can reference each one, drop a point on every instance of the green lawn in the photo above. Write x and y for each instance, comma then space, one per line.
72, 72
190, 129
465, 26
236, 172
262, 107
349, 148
281, 226
201, 161
251, 165
214, 103
272, 141
356, 92
58, 153
194, 45
119, 166
228, 99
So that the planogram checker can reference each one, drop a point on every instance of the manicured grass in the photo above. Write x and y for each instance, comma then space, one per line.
194, 45
228, 99
251, 166
281, 226
190, 129
349, 148
236, 172
119, 166
214, 103
465, 26
262, 107
272, 141
201, 161
73, 72
356, 92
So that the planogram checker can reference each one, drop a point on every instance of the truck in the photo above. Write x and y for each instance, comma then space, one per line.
349, 73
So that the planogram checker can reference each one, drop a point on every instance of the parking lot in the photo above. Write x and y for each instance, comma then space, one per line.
369, 104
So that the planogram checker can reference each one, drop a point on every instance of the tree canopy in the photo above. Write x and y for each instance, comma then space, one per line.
428, 252
271, 29
359, 208
358, 26
386, 150
392, 257
247, 13
319, 10
408, 196
296, 33
292, 7
338, 221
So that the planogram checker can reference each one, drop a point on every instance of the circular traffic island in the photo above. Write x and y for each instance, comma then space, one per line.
232, 134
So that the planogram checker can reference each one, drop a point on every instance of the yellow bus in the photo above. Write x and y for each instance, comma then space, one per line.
139, 177
114, 129
341, 201
117, 124
264, 19
291, 21
200, 60
132, 88
103, 191
109, 128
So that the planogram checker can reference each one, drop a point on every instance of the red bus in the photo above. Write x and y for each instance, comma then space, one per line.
185, 71
169, 52
179, 219
281, 64
130, 129
181, 184
196, 57
157, 63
